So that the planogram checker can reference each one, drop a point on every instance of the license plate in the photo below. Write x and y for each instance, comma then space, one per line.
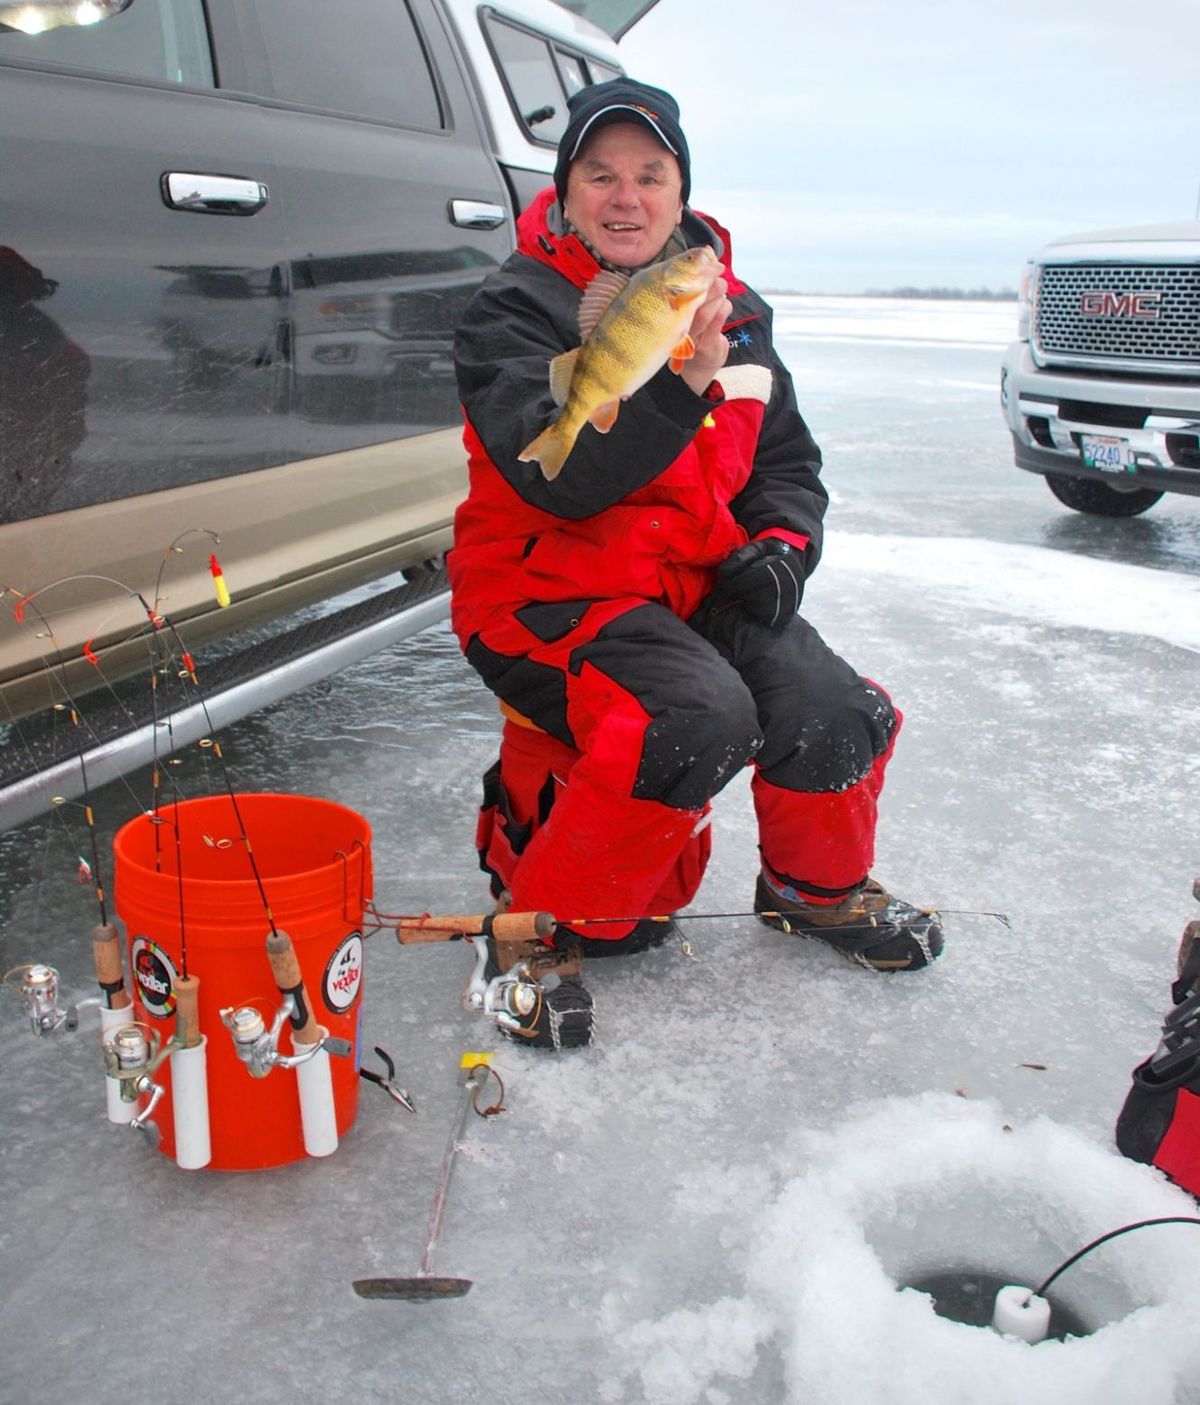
1107, 453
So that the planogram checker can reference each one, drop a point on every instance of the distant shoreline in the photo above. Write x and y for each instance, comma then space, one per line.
930, 294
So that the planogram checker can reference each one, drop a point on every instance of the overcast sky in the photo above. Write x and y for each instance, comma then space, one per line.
854, 144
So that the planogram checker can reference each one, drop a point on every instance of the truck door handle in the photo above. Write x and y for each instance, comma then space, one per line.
477, 214
213, 195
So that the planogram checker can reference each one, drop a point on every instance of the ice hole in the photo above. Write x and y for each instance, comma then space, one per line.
909, 1187
969, 1222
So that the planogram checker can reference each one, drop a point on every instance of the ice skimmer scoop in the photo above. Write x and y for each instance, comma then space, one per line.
425, 1285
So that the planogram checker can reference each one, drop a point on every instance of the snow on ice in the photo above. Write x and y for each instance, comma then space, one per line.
717, 1202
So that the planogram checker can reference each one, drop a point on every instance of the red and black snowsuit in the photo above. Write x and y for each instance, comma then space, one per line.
572, 599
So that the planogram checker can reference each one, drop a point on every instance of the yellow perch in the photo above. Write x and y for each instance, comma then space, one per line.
630, 328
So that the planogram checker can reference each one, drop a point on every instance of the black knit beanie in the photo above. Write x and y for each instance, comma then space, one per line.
621, 100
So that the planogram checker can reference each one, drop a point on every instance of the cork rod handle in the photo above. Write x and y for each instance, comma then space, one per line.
187, 1011
505, 926
286, 970
106, 953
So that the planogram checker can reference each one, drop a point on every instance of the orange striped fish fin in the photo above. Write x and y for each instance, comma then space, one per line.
682, 352
604, 417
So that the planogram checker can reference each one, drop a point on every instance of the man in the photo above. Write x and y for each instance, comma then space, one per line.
637, 614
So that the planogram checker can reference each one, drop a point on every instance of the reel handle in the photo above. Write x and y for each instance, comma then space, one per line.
286, 969
504, 926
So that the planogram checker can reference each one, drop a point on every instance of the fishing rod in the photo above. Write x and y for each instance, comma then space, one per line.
162, 665
133, 1051
454, 926
115, 999
160, 659
71, 707
136, 1050
512, 946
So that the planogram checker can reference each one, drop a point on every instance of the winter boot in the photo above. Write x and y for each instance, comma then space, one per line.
562, 1017
869, 926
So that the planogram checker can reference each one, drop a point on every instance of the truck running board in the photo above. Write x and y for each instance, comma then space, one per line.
38, 765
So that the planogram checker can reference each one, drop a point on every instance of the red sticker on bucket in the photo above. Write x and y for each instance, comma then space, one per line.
343, 975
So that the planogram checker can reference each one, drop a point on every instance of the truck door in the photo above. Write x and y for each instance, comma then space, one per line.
395, 210
142, 281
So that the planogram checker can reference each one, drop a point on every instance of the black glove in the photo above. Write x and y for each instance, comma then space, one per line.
766, 578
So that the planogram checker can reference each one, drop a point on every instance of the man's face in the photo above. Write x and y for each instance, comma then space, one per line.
624, 194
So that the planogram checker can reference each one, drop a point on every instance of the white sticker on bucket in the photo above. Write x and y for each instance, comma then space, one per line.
155, 977
343, 975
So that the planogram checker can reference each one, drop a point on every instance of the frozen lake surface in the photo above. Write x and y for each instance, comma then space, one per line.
715, 1202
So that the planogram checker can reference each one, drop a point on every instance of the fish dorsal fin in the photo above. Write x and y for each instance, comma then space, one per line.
562, 368
598, 297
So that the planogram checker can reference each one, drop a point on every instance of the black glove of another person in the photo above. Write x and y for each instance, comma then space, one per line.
766, 578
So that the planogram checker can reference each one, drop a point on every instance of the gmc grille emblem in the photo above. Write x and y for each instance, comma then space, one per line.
1120, 305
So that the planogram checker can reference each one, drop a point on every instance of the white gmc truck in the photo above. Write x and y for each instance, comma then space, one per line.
1102, 389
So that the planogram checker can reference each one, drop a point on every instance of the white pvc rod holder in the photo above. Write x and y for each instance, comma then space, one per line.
189, 1096
119, 1111
318, 1121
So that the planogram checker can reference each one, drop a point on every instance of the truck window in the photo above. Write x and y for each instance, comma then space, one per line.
529, 74
570, 67
165, 41
540, 75
601, 72
367, 60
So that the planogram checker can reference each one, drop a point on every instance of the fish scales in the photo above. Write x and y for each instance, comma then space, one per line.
643, 327
616, 350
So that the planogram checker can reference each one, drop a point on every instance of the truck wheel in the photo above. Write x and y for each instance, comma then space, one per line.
1086, 495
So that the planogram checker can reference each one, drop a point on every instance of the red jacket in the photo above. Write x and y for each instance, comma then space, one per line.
647, 511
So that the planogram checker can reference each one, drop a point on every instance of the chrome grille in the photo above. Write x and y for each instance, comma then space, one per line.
1063, 330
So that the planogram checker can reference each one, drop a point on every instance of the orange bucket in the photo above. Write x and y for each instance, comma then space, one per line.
314, 859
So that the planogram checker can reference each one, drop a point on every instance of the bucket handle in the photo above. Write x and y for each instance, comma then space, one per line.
349, 918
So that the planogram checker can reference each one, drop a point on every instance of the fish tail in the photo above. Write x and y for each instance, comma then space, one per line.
550, 449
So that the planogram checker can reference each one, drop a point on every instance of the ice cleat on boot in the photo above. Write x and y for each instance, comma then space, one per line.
554, 1013
649, 933
868, 927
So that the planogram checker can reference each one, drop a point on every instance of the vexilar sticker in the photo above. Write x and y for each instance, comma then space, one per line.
155, 976
343, 975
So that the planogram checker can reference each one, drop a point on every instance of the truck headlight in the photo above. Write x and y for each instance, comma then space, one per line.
1025, 301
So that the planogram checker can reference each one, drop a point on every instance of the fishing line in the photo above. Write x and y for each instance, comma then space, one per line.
1104, 1238
160, 660
89, 814
160, 666
58, 803
174, 549
58, 662
162, 621
165, 622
